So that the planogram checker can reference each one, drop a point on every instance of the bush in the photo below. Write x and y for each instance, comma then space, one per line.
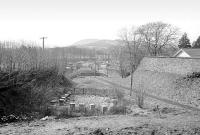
140, 99
15, 118
118, 109
23, 92
194, 75
119, 94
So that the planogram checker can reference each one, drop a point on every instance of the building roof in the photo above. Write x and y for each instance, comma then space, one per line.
192, 52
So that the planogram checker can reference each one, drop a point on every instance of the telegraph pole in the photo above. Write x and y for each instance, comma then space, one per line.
95, 62
43, 38
107, 62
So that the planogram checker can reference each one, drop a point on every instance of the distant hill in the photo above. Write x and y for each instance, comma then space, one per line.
85, 41
95, 43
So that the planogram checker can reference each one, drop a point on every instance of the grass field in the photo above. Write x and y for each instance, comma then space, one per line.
94, 82
91, 82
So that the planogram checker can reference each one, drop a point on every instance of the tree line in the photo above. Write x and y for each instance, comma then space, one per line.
23, 56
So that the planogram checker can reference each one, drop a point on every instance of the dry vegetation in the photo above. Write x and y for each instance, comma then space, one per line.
28, 92
170, 123
26, 55
187, 89
29, 78
29, 83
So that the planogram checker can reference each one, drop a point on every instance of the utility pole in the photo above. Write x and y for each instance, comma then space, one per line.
107, 62
43, 38
95, 62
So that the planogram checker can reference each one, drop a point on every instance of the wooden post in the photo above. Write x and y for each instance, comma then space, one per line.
72, 107
61, 102
43, 38
104, 109
81, 107
92, 107
125, 110
95, 92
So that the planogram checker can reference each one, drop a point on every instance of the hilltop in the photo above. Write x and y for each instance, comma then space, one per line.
96, 43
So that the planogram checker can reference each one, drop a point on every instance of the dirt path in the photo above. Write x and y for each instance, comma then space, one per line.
115, 124
152, 96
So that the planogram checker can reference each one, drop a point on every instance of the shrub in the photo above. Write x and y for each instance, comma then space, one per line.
140, 99
194, 75
119, 94
118, 109
23, 92
89, 112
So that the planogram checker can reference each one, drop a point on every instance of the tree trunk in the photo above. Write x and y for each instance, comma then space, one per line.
131, 90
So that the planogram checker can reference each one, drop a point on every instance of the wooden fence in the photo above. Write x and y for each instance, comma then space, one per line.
96, 92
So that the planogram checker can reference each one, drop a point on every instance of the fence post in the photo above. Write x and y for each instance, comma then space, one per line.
82, 107
83, 91
104, 109
72, 107
92, 107
74, 91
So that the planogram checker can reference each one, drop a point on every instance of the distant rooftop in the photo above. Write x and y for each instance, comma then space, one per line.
192, 52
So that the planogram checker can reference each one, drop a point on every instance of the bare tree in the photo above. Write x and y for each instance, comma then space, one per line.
157, 36
132, 40
119, 58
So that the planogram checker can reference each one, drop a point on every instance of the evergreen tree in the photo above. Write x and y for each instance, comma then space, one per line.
197, 43
184, 41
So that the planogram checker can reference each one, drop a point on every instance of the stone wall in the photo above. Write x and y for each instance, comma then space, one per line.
164, 77
170, 65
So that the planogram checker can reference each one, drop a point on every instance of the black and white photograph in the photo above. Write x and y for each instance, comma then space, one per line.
99, 67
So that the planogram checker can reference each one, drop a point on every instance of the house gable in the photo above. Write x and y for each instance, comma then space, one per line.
188, 52
183, 54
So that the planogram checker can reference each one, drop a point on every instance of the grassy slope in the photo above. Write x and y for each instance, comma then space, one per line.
168, 85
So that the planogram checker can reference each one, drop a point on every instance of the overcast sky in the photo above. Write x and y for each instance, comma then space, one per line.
67, 21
